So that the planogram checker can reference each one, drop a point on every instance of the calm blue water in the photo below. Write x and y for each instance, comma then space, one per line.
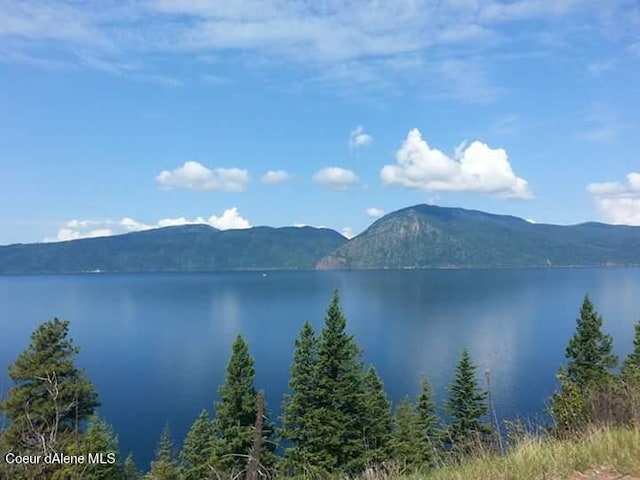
156, 345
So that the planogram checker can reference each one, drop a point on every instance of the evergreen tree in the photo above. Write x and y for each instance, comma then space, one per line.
336, 441
100, 438
377, 420
298, 405
631, 364
196, 451
589, 352
130, 470
163, 467
236, 414
466, 405
428, 422
51, 398
406, 435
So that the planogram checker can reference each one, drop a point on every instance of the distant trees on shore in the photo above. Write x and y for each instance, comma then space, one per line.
336, 416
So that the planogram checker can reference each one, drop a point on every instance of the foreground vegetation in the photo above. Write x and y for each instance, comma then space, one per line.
337, 421
606, 453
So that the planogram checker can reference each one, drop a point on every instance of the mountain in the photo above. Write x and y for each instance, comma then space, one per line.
182, 248
427, 236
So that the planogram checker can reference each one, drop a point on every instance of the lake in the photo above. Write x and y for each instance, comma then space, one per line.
156, 345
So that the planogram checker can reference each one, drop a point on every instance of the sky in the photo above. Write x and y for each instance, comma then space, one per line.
124, 115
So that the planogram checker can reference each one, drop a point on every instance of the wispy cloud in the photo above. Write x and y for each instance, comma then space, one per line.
338, 38
358, 138
603, 124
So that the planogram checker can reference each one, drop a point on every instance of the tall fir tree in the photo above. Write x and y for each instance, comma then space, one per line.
164, 467
429, 423
100, 438
196, 452
130, 470
51, 398
377, 419
406, 435
336, 439
236, 414
631, 364
299, 404
467, 407
590, 352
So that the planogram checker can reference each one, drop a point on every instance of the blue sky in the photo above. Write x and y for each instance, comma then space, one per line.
118, 116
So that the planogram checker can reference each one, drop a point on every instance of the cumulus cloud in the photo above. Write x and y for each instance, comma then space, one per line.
374, 212
475, 167
77, 229
70, 234
347, 232
275, 176
336, 178
358, 138
195, 176
618, 202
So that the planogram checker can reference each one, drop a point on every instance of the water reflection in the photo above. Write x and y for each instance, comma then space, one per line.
157, 345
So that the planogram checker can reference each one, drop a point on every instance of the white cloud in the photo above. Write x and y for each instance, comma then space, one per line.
618, 202
358, 138
77, 229
347, 232
474, 168
230, 219
336, 178
275, 176
65, 234
195, 176
374, 212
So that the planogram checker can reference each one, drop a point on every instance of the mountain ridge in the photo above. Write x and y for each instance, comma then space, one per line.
418, 236
429, 236
176, 248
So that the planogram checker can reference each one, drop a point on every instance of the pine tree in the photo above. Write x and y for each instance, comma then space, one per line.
163, 467
377, 420
196, 451
589, 352
406, 435
51, 398
631, 364
428, 422
236, 414
466, 406
130, 470
298, 405
336, 439
100, 438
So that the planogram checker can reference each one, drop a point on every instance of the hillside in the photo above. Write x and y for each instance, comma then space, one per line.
427, 236
182, 248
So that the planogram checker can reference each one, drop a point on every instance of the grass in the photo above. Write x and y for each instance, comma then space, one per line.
603, 454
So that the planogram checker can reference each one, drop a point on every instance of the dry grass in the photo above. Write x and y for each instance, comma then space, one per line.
605, 454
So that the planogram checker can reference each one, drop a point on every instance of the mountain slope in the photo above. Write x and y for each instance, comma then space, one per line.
426, 236
183, 248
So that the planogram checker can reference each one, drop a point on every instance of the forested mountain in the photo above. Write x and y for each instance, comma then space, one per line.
421, 236
182, 248
427, 236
